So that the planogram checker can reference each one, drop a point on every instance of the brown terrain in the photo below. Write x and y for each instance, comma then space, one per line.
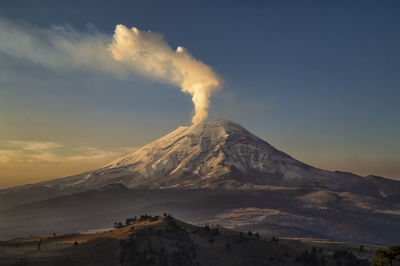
167, 241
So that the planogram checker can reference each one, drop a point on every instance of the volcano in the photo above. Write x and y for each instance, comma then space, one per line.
219, 172
219, 154
215, 154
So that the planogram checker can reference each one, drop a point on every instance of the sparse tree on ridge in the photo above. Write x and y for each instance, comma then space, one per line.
386, 257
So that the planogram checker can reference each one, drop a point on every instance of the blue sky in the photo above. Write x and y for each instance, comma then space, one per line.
318, 80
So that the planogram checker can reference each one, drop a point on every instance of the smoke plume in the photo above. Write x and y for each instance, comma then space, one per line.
63, 48
149, 54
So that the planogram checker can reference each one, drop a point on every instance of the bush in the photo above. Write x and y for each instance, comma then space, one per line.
342, 256
383, 257
314, 250
118, 225
306, 258
274, 240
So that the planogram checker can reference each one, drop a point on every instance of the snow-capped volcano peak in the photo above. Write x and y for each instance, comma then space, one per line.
211, 154
197, 154
188, 149
214, 154
188, 140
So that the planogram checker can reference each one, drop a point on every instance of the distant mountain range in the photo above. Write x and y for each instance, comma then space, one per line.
217, 172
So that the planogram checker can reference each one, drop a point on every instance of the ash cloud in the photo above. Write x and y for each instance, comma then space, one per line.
128, 50
149, 54
58, 48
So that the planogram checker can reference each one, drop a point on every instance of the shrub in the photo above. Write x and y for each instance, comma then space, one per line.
306, 258
383, 257
342, 256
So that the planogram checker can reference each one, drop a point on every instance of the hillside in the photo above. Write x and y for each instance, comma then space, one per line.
279, 211
167, 241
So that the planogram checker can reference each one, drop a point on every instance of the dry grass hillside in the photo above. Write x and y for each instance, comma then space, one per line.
167, 241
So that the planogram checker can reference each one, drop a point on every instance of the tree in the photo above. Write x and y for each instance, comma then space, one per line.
129, 221
323, 261
215, 231
314, 250
384, 257
343, 257
241, 237
118, 225
393, 252
306, 258
274, 240
39, 244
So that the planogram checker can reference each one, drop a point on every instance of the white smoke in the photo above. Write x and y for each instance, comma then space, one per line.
57, 48
129, 49
149, 54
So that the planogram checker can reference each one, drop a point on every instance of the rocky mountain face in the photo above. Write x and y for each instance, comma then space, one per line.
213, 154
217, 154
216, 172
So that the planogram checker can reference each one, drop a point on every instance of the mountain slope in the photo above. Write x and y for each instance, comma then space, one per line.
167, 241
198, 156
216, 154
278, 211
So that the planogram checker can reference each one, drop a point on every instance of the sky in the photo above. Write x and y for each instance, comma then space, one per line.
318, 80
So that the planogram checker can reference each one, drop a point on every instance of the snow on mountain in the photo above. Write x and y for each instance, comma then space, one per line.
219, 153
214, 154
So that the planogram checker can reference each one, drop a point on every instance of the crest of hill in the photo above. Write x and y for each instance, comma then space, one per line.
168, 241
